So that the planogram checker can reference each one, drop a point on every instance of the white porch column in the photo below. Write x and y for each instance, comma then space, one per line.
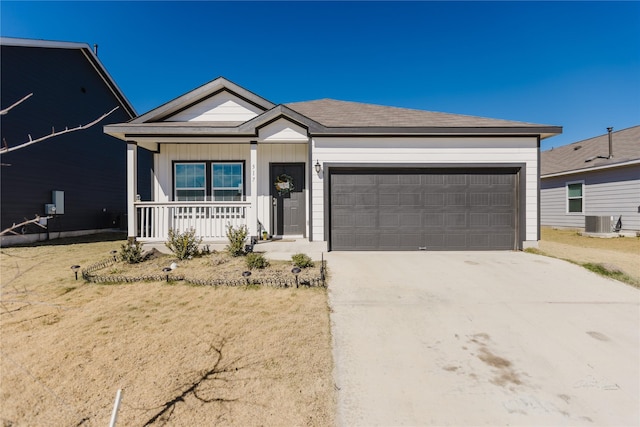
253, 173
132, 190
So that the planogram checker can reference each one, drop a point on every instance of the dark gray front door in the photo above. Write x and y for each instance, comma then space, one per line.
287, 190
451, 209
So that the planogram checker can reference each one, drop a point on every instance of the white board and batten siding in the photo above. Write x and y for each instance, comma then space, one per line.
222, 107
427, 151
283, 131
267, 153
607, 192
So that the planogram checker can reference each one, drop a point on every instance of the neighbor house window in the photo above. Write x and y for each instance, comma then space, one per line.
575, 197
227, 182
190, 181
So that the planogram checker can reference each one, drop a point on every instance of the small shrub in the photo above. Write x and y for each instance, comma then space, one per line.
184, 245
131, 252
237, 237
301, 260
255, 260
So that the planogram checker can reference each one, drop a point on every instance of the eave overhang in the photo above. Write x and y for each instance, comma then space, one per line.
250, 128
592, 169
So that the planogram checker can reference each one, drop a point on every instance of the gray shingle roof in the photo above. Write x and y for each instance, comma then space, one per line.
571, 157
334, 113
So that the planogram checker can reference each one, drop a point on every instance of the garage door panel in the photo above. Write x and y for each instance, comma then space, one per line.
501, 199
502, 240
433, 199
502, 220
479, 220
411, 180
388, 199
343, 199
479, 241
366, 199
410, 199
400, 241
388, 220
455, 220
380, 210
411, 220
455, 199
435, 220
454, 241
479, 199
455, 179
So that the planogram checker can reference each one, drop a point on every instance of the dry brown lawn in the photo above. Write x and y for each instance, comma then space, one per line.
182, 355
621, 253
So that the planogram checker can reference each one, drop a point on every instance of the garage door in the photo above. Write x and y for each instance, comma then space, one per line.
423, 209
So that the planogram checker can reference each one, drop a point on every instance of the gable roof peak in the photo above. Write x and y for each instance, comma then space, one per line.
207, 90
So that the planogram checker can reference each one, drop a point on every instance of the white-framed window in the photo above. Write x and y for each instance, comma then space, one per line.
227, 181
190, 181
220, 181
575, 197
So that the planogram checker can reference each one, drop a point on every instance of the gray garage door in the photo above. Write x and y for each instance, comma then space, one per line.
377, 209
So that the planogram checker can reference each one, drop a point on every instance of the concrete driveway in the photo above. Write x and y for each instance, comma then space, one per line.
474, 338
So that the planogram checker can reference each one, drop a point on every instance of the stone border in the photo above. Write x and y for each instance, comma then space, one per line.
89, 276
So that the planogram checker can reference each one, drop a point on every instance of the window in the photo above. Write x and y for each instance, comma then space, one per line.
575, 197
227, 181
206, 180
190, 182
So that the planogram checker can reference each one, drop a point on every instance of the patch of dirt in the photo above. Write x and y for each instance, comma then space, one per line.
182, 355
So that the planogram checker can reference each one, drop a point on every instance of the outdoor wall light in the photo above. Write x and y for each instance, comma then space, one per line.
296, 271
318, 167
75, 269
246, 275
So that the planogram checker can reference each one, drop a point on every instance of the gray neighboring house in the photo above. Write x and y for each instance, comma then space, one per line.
81, 173
590, 181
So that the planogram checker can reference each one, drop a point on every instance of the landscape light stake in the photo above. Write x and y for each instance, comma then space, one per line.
113, 253
246, 275
166, 270
75, 269
296, 271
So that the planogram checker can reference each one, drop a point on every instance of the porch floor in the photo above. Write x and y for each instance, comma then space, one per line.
276, 249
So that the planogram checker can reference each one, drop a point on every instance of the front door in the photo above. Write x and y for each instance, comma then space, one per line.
287, 190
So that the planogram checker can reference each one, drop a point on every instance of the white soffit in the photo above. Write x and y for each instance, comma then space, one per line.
283, 131
222, 107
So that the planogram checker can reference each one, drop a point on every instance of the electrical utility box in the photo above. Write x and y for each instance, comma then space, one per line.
57, 207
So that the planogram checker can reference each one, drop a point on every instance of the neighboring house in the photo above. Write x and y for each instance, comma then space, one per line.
354, 176
597, 177
86, 169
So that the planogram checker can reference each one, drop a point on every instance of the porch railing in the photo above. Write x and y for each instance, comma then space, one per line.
209, 219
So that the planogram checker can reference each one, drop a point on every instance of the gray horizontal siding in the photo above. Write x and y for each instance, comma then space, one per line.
611, 192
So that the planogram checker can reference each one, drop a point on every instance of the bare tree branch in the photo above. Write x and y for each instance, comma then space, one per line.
6, 110
31, 141
36, 221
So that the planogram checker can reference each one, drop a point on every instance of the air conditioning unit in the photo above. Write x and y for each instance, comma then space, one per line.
598, 224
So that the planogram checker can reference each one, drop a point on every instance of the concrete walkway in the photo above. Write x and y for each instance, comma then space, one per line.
473, 339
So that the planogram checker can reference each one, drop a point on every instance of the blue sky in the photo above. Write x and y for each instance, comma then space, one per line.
572, 64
